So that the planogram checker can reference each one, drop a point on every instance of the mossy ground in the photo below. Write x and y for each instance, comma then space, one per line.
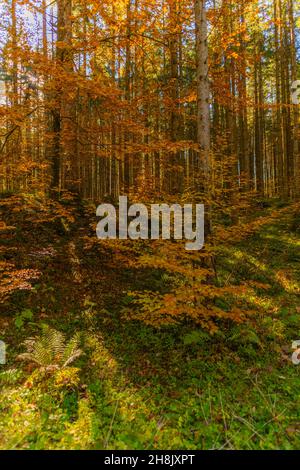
141, 388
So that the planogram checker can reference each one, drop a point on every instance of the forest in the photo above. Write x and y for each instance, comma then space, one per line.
140, 343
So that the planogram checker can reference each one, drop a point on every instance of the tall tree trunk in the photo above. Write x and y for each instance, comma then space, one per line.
203, 111
15, 98
63, 124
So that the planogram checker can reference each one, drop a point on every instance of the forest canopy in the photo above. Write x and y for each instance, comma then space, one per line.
107, 97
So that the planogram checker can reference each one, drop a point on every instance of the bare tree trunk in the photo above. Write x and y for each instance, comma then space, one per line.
14, 60
295, 110
203, 112
63, 125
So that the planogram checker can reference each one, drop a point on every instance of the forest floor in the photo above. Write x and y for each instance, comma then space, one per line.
146, 388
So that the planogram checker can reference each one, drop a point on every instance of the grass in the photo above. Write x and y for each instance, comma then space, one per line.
141, 388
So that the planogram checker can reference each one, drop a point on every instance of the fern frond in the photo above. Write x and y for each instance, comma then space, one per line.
72, 350
51, 350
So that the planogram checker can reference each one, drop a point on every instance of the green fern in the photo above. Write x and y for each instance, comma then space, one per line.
50, 350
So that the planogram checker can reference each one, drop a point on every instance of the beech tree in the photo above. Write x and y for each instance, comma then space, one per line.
106, 99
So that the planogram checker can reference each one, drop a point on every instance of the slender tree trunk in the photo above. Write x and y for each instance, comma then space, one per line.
62, 115
203, 111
